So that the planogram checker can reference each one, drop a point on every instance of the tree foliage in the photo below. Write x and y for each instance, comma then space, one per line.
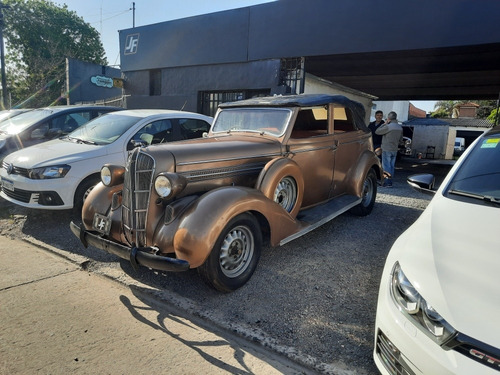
494, 116
40, 35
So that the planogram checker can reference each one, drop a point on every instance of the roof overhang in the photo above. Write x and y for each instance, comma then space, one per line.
464, 72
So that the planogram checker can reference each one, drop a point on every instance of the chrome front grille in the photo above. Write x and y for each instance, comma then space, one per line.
15, 170
391, 356
137, 184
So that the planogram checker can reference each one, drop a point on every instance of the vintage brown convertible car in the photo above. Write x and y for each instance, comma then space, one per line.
270, 169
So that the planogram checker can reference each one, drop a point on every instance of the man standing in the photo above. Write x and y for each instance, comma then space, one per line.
391, 133
374, 125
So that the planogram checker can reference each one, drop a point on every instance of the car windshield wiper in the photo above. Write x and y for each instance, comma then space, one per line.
86, 141
71, 139
487, 198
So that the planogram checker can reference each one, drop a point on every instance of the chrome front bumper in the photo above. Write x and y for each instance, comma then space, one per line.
136, 255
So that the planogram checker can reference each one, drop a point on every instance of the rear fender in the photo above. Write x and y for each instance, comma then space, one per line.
203, 221
368, 160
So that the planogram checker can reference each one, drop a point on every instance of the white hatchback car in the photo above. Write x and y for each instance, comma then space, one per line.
58, 174
439, 300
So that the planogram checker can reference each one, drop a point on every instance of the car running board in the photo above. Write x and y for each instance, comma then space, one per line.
314, 217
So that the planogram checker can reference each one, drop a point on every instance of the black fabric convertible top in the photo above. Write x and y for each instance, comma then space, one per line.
304, 100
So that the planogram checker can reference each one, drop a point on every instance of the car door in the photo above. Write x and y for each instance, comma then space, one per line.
311, 145
349, 142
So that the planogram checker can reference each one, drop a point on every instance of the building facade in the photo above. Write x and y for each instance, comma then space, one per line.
197, 62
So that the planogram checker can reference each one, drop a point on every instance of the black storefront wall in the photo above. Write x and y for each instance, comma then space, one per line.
182, 87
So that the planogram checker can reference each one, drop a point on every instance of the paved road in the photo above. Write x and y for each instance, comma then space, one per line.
57, 319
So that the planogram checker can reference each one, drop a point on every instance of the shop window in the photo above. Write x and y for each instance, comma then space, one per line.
292, 75
155, 82
210, 100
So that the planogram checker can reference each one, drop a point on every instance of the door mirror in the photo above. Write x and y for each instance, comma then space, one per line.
422, 182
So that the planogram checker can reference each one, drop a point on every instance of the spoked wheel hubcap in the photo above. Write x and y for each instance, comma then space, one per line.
286, 193
367, 192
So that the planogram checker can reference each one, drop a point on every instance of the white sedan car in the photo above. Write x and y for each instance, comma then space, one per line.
439, 300
58, 174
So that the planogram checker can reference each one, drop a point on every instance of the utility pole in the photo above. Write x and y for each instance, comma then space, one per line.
133, 14
2, 57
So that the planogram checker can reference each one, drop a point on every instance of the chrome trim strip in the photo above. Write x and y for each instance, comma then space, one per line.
311, 149
228, 159
206, 174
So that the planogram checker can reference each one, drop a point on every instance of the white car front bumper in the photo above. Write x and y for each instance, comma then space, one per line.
54, 194
402, 348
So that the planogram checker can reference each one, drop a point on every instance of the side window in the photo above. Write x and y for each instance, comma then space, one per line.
40, 132
193, 128
311, 122
156, 132
343, 120
67, 123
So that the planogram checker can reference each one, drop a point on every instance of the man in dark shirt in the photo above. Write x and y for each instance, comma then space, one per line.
374, 125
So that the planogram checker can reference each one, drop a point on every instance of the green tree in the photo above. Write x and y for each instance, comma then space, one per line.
444, 108
494, 116
39, 37
440, 113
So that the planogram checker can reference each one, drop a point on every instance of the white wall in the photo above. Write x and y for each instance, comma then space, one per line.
431, 135
401, 107
316, 85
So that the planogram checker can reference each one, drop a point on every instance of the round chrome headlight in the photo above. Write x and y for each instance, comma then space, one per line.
163, 186
106, 175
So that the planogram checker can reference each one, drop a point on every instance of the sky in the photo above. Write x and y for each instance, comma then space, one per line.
109, 16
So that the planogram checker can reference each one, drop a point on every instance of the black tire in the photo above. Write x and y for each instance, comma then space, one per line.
369, 195
235, 255
83, 191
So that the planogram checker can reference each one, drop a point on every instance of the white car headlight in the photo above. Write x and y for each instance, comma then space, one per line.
163, 186
55, 171
416, 308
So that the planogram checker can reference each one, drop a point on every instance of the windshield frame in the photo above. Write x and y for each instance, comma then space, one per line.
248, 121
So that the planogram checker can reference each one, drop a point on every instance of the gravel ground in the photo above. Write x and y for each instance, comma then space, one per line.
313, 299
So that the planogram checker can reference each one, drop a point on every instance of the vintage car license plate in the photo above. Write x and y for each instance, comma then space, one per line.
8, 184
101, 223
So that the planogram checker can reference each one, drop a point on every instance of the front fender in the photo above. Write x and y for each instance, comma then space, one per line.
204, 220
99, 201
